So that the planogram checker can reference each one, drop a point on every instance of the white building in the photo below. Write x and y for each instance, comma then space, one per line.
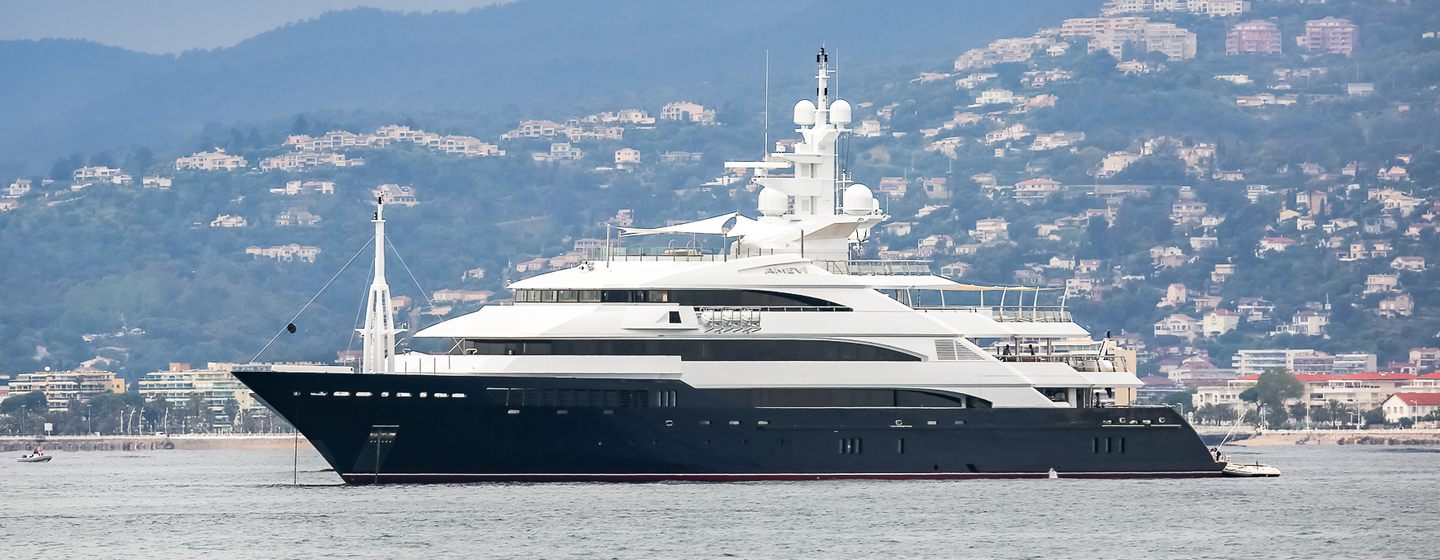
217, 390
991, 230
1179, 325
1218, 322
215, 160
396, 195
1410, 405
687, 111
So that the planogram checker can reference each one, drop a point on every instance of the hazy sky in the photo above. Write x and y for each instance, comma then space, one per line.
171, 26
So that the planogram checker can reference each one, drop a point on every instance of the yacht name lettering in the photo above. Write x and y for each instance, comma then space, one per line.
784, 270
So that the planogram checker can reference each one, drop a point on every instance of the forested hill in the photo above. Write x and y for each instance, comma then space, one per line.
1196, 201
487, 64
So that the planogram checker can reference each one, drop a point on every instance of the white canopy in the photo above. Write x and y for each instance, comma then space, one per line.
739, 226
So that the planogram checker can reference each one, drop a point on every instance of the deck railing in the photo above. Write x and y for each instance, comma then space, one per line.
1010, 313
871, 267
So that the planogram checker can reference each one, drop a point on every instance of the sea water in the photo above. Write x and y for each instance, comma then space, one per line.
1332, 502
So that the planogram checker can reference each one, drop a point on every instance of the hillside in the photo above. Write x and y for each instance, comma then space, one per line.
479, 68
1296, 189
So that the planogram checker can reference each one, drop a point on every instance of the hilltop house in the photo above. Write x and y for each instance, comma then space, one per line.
625, 157
1218, 322
1035, 190
1178, 325
293, 188
396, 195
286, 253
297, 217
1115, 163
991, 230
228, 221
1382, 283
686, 111
1401, 305
215, 160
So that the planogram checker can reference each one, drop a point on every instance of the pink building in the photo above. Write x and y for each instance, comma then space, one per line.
1253, 37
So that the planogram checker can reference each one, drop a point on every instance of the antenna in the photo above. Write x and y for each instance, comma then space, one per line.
765, 149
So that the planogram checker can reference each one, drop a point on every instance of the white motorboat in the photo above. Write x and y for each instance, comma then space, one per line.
1253, 469
35, 458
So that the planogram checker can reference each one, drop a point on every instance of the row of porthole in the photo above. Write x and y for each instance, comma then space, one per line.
401, 394
669, 423
1132, 421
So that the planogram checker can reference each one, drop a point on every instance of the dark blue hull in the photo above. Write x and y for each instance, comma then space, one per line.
453, 428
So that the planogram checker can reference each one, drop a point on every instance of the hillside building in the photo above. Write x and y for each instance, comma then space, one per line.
214, 160
687, 111
1253, 37
1331, 35
286, 253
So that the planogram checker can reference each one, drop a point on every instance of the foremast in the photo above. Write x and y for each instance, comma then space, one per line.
378, 352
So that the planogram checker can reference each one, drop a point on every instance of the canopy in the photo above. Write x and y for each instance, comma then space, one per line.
732, 224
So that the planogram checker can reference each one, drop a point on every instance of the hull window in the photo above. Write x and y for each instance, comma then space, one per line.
574, 398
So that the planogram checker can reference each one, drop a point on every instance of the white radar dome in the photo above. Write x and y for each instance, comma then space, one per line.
805, 112
857, 200
840, 112
773, 202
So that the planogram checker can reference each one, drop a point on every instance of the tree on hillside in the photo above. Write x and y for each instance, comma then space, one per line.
1274, 387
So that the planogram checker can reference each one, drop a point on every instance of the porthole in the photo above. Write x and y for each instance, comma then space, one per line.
669, 423
762, 423
931, 422
512, 412
442, 395
734, 422
364, 394
403, 395
704, 422
562, 412
295, 394
423, 394
457, 395
384, 393
342, 393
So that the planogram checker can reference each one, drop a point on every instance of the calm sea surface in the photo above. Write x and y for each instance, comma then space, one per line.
1333, 502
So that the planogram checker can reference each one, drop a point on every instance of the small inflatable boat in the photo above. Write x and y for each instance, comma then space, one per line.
35, 459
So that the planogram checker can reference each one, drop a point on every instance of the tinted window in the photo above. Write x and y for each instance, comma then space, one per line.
695, 350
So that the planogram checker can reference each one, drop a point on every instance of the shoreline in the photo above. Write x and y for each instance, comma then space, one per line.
245, 442
1250, 437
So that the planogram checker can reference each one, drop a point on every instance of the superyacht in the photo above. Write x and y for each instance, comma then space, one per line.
778, 355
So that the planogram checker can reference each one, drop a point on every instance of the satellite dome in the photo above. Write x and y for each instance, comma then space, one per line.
840, 112
773, 202
858, 200
805, 112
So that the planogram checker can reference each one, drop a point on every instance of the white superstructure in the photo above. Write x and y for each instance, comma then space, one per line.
780, 303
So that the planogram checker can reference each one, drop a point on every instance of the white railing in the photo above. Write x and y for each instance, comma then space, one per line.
872, 267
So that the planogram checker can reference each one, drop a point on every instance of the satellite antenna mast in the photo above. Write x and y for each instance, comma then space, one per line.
765, 149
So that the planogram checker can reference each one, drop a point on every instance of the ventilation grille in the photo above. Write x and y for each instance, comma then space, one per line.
949, 350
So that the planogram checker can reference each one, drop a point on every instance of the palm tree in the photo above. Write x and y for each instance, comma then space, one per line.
1337, 411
